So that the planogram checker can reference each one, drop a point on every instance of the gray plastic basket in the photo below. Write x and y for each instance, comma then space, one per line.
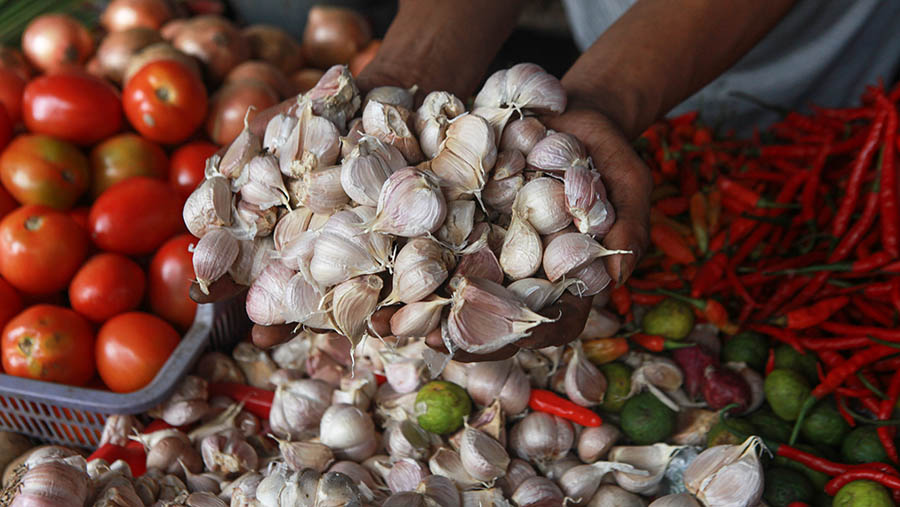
74, 416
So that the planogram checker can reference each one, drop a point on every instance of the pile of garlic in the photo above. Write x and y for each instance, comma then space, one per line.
471, 221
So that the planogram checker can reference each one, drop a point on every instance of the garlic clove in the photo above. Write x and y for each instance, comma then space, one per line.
348, 431
266, 296
432, 120
314, 142
584, 383
520, 255
458, 224
610, 494
352, 303
301, 455
479, 261
393, 95
446, 462
500, 194
410, 204
581, 482
405, 475
480, 497
260, 221
509, 163
491, 420
389, 123
213, 255
208, 206
522, 134
517, 473
727, 474
51, 483
499, 380
586, 201
466, 156
229, 455
652, 459
277, 132
439, 490
594, 443
298, 406
405, 375
485, 316
342, 251
335, 96
264, 186
355, 132
538, 293
319, 190
482, 456
675, 500
537, 491
497, 117
419, 318
541, 438
571, 251
367, 167
244, 147
542, 201
117, 428
420, 267
531, 87
336, 490
253, 257
558, 152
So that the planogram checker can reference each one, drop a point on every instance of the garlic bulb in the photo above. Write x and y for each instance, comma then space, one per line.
342, 251
389, 123
410, 204
542, 201
320, 190
485, 316
593, 443
520, 255
538, 293
266, 296
261, 183
458, 224
652, 459
335, 96
585, 385
610, 494
298, 407
420, 267
367, 167
213, 255
208, 206
557, 153
466, 156
501, 380
348, 431
581, 482
419, 318
586, 201
541, 438
447, 463
727, 475
536, 491
523, 86
571, 251
314, 142
522, 134
432, 120
352, 303
482, 456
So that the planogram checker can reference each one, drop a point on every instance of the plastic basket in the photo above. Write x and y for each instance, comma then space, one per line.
74, 416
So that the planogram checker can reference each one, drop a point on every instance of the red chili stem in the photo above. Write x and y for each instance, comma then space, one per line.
542, 400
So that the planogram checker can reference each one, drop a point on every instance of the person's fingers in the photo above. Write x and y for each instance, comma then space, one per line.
572, 312
434, 341
223, 288
266, 337
380, 323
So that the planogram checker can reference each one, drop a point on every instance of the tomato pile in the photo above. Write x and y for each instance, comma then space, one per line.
102, 141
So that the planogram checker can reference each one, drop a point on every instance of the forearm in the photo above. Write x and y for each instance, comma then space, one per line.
441, 44
660, 52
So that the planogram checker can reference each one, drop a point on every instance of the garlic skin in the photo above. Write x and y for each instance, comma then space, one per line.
52, 484
585, 385
335, 96
302, 301
253, 257
501, 380
482, 456
485, 316
522, 134
208, 206
571, 251
520, 255
410, 204
342, 251
266, 296
213, 255
594, 443
542, 201
348, 431
389, 124
587, 203
557, 153
261, 222
117, 428
466, 156
432, 120
727, 475
314, 142
352, 304
541, 438
320, 190
420, 267
651, 460
537, 491
447, 463
298, 407
538, 293
419, 318
367, 167
405, 475
277, 132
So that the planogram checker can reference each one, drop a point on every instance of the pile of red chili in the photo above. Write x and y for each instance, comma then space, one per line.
795, 234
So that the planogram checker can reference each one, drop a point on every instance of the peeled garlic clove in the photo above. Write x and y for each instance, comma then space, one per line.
213, 255
319, 190
261, 221
405, 475
538, 491
571, 251
367, 167
482, 456
584, 383
389, 124
432, 120
558, 152
298, 406
302, 455
610, 494
501, 194
466, 156
352, 304
727, 474
335, 96
652, 459
446, 462
393, 95
522, 134
485, 316
520, 255
266, 296
410, 204
458, 224
208, 206
342, 251
278, 130
541, 438
419, 318
593, 443
543, 202
499, 380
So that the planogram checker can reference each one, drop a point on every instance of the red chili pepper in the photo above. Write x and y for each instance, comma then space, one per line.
782, 335
380, 379
859, 266
798, 504
809, 290
860, 164
811, 188
714, 210
641, 298
542, 400
671, 243
859, 228
605, 350
621, 300
874, 311
698, 221
770, 361
709, 273
886, 434
256, 401
683, 119
809, 316
656, 343
836, 343
782, 294
891, 335
877, 290
895, 295
671, 206
890, 211
733, 233
738, 287
133, 455
886, 480
748, 198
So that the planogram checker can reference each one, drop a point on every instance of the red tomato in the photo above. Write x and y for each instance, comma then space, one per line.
40, 249
7, 202
12, 86
135, 216
44, 170
72, 105
188, 165
106, 285
51, 343
131, 349
80, 216
165, 101
6, 127
170, 275
10, 302
124, 156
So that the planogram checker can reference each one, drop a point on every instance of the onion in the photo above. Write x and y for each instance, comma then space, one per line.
305, 79
117, 49
125, 14
275, 46
361, 59
333, 35
54, 41
14, 60
155, 52
171, 29
229, 105
265, 72
216, 42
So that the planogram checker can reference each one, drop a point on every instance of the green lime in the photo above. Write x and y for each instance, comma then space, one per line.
785, 485
719, 434
863, 446
646, 420
671, 318
818, 479
618, 385
770, 425
863, 494
786, 390
805, 364
442, 407
746, 347
824, 425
